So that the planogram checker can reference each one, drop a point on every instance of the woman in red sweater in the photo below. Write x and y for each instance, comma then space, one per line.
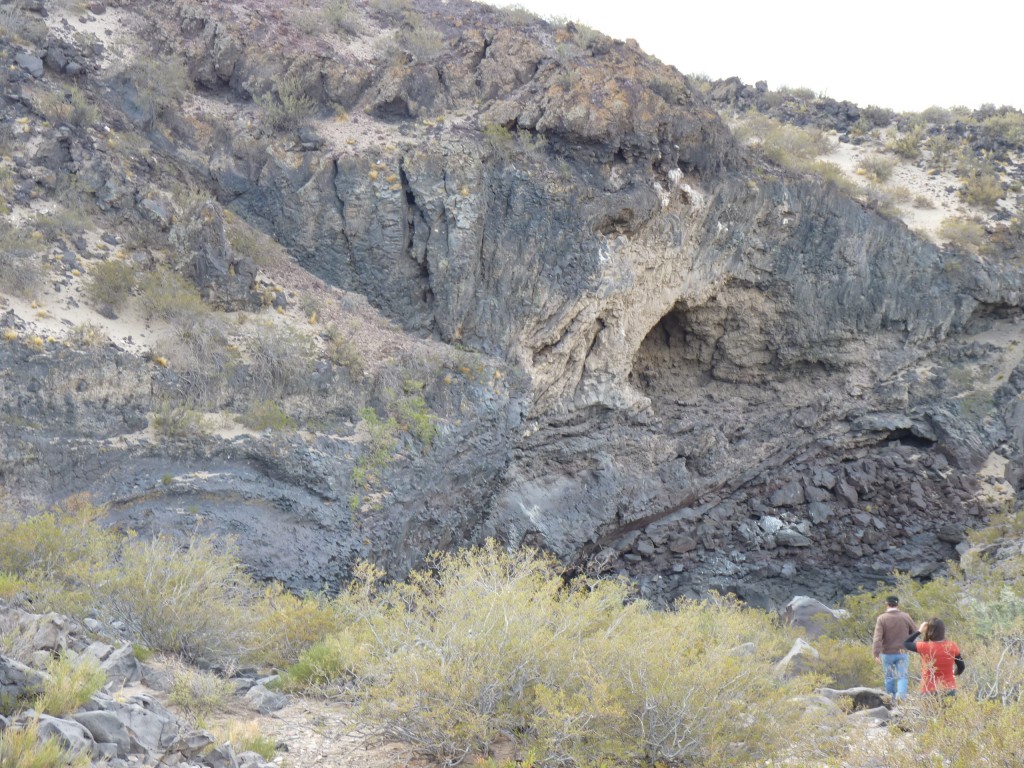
940, 658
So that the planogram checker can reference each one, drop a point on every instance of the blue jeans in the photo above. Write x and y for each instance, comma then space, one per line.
896, 667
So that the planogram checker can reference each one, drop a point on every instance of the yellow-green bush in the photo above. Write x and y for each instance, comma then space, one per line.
21, 270
982, 188
189, 600
908, 145
286, 625
71, 682
958, 732
788, 145
845, 664
22, 747
166, 295
963, 232
55, 555
280, 361
199, 694
877, 168
179, 421
939, 597
246, 737
110, 282
489, 644
266, 414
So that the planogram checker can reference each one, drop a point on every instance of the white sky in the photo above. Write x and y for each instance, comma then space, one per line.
903, 54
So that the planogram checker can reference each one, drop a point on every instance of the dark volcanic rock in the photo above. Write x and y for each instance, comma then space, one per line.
684, 365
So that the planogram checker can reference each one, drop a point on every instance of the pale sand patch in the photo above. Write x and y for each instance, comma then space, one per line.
994, 488
109, 28
940, 188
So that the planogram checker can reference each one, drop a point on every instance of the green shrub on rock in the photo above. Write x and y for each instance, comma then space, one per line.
22, 747
69, 685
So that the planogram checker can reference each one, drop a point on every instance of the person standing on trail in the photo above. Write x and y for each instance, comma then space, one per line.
891, 628
941, 661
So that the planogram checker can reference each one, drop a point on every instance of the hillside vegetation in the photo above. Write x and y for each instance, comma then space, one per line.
490, 651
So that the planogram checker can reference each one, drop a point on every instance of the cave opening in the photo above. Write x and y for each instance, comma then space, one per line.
679, 351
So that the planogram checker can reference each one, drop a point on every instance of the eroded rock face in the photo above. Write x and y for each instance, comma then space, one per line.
729, 377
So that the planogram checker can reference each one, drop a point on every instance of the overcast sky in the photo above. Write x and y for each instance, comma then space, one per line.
903, 54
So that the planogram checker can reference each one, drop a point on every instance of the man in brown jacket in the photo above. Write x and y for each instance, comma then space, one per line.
891, 629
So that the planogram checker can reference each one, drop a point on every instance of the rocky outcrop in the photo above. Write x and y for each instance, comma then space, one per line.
698, 370
109, 730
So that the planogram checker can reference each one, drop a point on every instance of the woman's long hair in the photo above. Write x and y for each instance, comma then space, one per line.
935, 631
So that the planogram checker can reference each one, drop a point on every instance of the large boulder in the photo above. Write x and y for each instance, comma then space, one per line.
18, 683
810, 614
106, 728
800, 659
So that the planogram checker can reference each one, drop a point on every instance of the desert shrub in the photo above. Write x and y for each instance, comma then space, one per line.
286, 107
908, 144
995, 665
877, 168
70, 106
246, 737
382, 439
845, 664
57, 553
11, 586
341, 350
1008, 127
61, 222
953, 733
87, 335
787, 145
167, 296
879, 199
518, 16
415, 417
186, 600
288, 625
943, 151
22, 747
412, 413
939, 597
936, 115
340, 16
344, 657
199, 694
329, 665
110, 282
490, 644
71, 683
420, 39
161, 83
899, 193
831, 173
965, 233
982, 188
21, 269
177, 421
198, 352
249, 241
390, 8
266, 414
280, 361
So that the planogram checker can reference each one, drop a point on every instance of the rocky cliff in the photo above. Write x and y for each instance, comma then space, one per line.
644, 347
